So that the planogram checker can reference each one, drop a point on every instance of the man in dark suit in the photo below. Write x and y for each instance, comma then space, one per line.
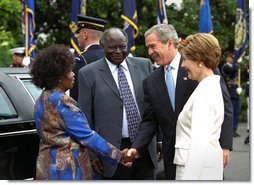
89, 33
162, 42
103, 103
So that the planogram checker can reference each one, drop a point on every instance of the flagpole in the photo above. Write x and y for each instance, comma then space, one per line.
83, 7
239, 77
161, 14
241, 37
77, 7
26, 31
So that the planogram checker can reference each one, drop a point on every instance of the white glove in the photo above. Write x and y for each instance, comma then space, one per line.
239, 90
26, 61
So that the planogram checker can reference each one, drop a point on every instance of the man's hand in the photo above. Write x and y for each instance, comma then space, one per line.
131, 155
97, 166
226, 154
159, 152
124, 158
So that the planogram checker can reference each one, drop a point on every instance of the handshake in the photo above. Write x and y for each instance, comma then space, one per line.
128, 156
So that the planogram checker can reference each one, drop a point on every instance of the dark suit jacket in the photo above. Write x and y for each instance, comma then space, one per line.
100, 100
158, 111
93, 53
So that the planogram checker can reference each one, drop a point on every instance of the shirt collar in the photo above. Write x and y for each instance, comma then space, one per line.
175, 63
113, 67
230, 64
88, 46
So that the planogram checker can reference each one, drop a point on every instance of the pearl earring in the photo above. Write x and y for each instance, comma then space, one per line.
200, 65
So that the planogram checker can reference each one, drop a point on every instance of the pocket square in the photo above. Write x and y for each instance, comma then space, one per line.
185, 78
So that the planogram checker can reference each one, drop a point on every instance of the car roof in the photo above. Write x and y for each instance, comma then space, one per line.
19, 72
14, 70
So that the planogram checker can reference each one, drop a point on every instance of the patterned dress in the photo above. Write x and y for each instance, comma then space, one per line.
65, 138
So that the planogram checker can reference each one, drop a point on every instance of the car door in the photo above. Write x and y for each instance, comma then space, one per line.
18, 138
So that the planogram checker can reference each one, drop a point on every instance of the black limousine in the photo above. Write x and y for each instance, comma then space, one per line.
18, 138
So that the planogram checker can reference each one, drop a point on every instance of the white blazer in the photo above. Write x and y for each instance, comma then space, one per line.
198, 154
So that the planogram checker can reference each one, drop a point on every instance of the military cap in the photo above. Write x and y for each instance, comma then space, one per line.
18, 51
90, 23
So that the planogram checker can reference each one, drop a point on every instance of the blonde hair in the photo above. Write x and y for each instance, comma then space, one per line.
202, 47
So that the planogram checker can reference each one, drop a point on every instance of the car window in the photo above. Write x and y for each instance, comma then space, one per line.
7, 110
33, 90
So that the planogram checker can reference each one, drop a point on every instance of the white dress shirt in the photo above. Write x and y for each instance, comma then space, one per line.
175, 65
114, 70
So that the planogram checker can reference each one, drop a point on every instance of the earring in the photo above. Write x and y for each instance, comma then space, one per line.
200, 65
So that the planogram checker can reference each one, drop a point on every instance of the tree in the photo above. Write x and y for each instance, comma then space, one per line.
52, 20
10, 29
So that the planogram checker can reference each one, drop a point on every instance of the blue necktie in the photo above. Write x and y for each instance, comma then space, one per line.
131, 109
170, 85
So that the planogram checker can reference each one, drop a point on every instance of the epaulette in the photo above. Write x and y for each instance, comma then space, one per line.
77, 59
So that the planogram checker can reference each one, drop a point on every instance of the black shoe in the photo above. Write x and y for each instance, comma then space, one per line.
236, 135
246, 141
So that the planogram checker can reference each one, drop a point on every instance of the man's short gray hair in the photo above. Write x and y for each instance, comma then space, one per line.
164, 32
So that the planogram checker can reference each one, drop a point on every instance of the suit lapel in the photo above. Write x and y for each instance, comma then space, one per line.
180, 87
184, 88
161, 88
107, 76
134, 75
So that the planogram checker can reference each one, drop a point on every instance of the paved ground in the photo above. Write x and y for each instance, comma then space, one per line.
239, 166
240, 162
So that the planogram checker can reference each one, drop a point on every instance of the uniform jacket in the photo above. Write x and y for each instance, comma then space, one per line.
93, 53
158, 111
100, 99
230, 72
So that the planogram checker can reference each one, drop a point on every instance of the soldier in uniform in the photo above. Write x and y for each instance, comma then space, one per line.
230, 73
89, 33
18, 58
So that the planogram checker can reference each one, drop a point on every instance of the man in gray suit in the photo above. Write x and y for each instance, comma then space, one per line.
100, 99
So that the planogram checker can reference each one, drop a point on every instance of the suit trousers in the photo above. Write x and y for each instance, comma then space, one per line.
142, 168
236, 110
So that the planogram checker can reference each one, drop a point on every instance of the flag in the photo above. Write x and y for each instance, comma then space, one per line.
28, 20
205, 18
77, 7
162, 15
129, 16
241, 32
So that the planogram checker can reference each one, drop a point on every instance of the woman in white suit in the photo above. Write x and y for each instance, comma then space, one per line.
198, 154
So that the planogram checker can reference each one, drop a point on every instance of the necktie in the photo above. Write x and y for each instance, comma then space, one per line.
131, 109
170, 86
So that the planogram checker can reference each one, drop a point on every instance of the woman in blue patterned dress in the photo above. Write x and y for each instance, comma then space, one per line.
65, 135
